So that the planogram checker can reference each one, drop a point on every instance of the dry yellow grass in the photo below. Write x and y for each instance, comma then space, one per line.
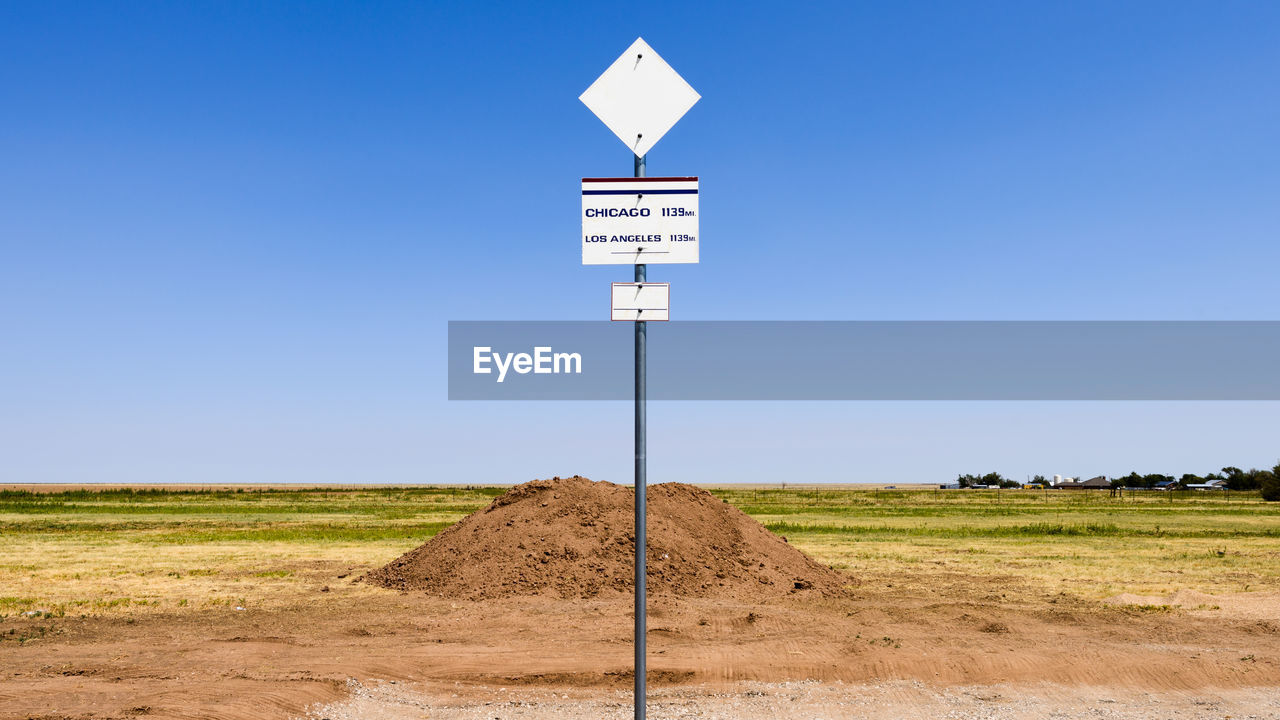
119, 552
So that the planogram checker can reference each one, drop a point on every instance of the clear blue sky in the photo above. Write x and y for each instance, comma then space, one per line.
231, 234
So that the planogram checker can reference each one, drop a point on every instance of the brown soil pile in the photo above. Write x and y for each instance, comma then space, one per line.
573, 538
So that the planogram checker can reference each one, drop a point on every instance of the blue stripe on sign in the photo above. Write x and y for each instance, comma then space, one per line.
640, 192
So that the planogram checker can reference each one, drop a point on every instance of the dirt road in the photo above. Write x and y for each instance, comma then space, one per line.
893, 700
898, 647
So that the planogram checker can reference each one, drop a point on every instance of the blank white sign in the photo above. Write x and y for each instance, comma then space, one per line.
639, 97
641, 301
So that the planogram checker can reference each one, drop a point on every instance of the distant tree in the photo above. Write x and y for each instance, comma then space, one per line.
1253, 479
988, 479
1189, 479
1133, 479
1041, 479
1004, 483
1237, 479
1271, 485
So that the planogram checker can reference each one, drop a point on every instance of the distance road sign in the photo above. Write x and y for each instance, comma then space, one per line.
631, 221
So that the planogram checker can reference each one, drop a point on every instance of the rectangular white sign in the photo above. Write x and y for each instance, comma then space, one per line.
632, 221
641, 301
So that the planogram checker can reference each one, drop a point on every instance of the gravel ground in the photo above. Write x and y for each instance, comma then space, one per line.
802, 701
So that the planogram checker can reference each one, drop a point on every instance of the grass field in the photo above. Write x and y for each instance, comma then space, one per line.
1085, 543
87, 552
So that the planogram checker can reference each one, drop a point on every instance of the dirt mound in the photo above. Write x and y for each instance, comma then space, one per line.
572, 538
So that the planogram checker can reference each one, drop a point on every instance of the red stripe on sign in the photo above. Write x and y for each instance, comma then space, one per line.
643, 179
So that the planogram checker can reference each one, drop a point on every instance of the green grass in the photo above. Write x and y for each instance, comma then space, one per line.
1031, 530
133, 550
203, 516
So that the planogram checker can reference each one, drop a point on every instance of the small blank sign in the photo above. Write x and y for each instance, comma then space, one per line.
641, 301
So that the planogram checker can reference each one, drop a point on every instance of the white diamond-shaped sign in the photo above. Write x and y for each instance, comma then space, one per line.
639, 97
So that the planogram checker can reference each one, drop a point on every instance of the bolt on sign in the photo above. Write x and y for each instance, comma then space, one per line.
629, 221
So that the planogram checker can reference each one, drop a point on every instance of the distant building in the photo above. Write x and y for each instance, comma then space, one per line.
1092, 483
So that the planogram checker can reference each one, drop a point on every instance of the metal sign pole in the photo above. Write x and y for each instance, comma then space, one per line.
639, 97
641, 333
